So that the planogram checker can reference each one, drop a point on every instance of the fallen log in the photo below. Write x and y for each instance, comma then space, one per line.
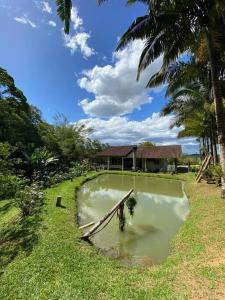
103, 219
86, 225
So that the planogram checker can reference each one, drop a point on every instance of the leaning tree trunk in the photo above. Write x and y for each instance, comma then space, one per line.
219, 106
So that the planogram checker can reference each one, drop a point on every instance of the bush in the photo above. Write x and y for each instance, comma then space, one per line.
213, 174
28, 199
208, 175
10, 184
80, 168
58, 177
217, 174
194, 168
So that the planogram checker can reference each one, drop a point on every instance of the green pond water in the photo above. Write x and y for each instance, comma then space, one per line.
161, 208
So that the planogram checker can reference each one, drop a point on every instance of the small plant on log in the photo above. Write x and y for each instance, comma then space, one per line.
131, 203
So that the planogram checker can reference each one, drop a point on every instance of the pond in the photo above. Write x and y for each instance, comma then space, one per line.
162, 207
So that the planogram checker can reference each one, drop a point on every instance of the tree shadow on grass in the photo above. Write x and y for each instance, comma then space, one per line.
4, 209
21, 235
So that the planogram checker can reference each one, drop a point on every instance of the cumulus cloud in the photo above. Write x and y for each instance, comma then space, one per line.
75, 19
25, 20
78, 41
122, 131
46, 7
52, 23
115, 89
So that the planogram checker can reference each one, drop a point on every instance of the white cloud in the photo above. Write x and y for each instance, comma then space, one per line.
75, 19
46, 7
25, 20
116, 91
78, 41
52, 23
122, 131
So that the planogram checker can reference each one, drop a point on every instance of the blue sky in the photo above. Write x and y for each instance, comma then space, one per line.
80, 75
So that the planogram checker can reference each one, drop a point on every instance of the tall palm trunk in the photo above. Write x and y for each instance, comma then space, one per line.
214, 142
218, 102
211, 146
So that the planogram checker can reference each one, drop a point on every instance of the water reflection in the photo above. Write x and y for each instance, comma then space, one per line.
161, 209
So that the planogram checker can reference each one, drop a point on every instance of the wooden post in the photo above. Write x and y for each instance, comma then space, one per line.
108, 162
145, 165
58, 201
203, 168
134, 160
175, 165
122, 164
165, 165
103, 219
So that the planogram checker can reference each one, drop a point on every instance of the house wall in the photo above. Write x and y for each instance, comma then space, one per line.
152, 165
155, 165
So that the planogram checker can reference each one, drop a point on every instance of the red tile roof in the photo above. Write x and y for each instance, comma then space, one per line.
121, 151
170, 151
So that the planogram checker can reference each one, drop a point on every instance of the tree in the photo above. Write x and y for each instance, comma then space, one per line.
190, 101
147, 143
18, 119
172, 27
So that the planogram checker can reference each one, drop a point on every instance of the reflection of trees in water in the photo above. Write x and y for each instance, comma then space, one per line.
157, 216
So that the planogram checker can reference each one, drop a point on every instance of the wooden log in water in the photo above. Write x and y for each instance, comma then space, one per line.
86, 225
103, 219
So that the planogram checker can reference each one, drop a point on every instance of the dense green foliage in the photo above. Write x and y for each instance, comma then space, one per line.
33, 151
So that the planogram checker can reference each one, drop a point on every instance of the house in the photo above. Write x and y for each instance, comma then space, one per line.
146, 158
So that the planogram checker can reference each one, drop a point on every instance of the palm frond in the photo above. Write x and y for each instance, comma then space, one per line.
64, 12
137, 30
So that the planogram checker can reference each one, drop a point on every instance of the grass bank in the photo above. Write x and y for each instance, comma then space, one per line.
52, 263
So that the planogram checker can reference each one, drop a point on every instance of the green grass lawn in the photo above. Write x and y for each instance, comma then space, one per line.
43, 257
7, 212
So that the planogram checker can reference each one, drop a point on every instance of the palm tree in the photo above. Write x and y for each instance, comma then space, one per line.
189, 92
172, 27
193, 112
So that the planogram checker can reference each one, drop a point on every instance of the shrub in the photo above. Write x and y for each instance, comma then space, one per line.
10, 184
217, 174
80, 168
42, 163
58, 177
208, 175
213, 174
194, 168
28, 199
